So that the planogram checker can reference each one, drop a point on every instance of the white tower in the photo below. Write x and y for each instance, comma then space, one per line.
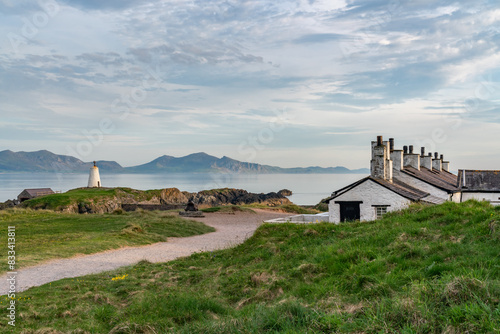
94, 179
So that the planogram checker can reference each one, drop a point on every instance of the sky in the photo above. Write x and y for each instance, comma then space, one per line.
284, 83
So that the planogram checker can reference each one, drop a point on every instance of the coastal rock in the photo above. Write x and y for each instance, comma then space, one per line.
165, 199
7, 204
217, 197
173, 196
285, 192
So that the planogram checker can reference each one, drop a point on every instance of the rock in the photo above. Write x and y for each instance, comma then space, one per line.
217, 197
191, 207
7, 204
173, 196
285, 192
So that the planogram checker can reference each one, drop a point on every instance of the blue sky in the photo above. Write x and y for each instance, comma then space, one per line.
287, 83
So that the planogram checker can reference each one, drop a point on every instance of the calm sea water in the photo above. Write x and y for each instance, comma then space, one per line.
308, 189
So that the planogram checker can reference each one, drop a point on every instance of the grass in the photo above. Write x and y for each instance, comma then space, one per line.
43, 235
427, 269
87, 195
290, 208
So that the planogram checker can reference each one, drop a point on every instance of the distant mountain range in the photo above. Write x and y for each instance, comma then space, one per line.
45, 161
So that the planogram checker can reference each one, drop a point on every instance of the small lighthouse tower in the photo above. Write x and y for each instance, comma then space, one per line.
94, 178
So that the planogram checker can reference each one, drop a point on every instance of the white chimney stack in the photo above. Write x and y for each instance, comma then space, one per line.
381, 164
437, 163
411, 159
425, 160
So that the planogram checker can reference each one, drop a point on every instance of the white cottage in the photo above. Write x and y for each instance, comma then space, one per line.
482, 185
398, 177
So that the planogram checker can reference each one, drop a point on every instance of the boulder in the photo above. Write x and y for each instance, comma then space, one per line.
285, 192
173, 196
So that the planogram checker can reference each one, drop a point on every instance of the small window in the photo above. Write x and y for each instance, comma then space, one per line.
380, 211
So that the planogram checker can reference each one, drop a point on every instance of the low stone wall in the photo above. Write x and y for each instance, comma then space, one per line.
152, 207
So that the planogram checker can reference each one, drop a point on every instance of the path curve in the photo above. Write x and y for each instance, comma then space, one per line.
230, 230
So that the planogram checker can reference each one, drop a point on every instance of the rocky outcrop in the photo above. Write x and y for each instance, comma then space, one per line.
173, 196
7, 204
217, 197
285, 192
165, 199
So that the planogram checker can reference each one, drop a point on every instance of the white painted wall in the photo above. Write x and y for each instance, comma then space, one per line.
370, 193
421, 185
457, 197
493, 198
94, 178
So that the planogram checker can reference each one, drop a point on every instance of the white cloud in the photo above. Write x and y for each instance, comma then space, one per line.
226, 66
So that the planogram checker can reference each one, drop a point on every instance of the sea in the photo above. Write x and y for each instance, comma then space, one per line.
307, 189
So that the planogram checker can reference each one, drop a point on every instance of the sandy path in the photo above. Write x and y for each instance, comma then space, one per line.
230, 230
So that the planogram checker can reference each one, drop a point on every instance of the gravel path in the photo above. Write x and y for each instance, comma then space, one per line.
231, 229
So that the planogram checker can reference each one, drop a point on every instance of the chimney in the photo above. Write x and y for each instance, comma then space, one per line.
437, 163
445, 165
381, 165
411, 159
425, 160
396, 157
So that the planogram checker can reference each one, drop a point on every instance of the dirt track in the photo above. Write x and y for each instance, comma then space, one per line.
231, 229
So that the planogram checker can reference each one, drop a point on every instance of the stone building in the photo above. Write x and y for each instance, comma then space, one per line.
397, 178
27, 194
482, 185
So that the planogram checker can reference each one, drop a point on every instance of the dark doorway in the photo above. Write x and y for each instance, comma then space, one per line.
349, 211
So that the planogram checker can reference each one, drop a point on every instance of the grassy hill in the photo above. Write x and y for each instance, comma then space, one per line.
43, 235
82, 196
423, 270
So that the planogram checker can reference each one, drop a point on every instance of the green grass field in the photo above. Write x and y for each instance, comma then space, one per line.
43, 235
87, 195
423, 270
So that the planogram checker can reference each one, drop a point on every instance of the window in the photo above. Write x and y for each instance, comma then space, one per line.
380, 211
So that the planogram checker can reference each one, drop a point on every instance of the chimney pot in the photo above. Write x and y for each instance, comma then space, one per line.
430, 154
405, 149
441, 157
411, 149
422, 151
380, 140
391, 143
436, 155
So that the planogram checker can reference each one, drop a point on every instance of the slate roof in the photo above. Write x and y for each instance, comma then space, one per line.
479, 180
440, 179
396, 186
38, 192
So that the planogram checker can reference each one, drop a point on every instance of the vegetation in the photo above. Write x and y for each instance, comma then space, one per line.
86, 196
291, 208
42, 235
423, 270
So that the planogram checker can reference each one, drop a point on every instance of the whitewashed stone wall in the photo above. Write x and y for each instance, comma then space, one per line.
421, 185
370, 193
456, 197
94, 178
493, 198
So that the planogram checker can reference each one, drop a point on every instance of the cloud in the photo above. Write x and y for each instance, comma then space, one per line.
318, 38
103, 5
221, 67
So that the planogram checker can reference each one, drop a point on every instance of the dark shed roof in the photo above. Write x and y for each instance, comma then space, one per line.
32, 193
479, 180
